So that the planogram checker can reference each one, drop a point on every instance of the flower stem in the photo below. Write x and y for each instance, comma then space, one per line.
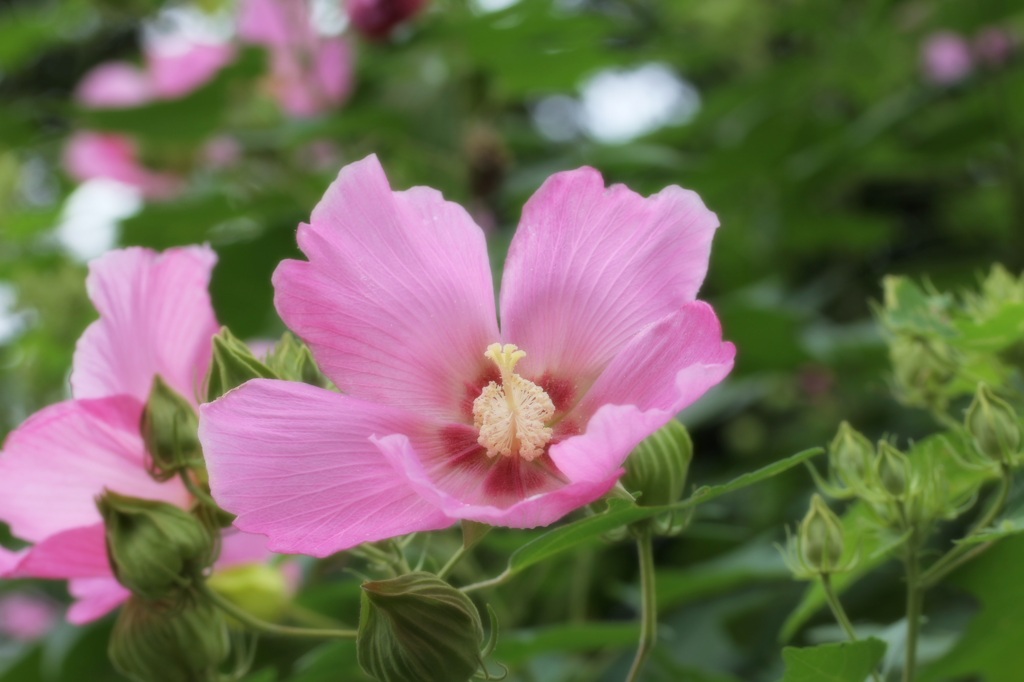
648, 603
455, 558
840, 613
254, 623
837, 607
963, 552
197, 492
915, 603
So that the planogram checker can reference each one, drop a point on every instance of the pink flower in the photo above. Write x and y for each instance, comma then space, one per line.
172, 70
994, 46
90, 154
155, 318
376, 19
946, 58
25, 617
437, 420
310, 73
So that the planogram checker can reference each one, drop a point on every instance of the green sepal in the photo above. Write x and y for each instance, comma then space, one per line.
292, 360
233, 364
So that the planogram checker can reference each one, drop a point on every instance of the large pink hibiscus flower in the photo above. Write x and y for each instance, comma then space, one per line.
442, 415
155, 318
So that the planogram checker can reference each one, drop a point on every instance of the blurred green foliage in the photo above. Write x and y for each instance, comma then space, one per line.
829, 158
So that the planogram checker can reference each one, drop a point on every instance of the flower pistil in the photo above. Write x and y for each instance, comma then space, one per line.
512, 417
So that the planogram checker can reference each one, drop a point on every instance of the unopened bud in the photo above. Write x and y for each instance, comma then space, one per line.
893, 470
292, 360
181, 640
850, 456
921, 367
993, 424
656, 472
170, 431
154, 547
418, 628
233, 364
821, 538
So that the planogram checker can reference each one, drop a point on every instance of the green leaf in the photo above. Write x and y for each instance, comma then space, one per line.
990, 647
622, 512
843, 662
518, 646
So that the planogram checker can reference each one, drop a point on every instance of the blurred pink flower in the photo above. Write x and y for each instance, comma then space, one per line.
90, 154
375, 19
994, 46
309, 73
172, 70
946, 58
155, 318
397, 304
26, 617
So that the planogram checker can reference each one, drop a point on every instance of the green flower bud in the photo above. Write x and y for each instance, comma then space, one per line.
170, 431
656, 472
850, 456
154, 547
233, 364
182, 640
921, 368
994, 425
293, 361
820, 540
418, 628
893, 469
257, 588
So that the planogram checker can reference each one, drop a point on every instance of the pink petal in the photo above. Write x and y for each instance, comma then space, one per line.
668, 366
310, 79
295, 463
664, 370
155, 318
396, 300
590, 267
26, 617
55, 464
537, 510
114, 85
74, 553
279, 23
94, 598
179, 68
89, 155
8, 560
242, 548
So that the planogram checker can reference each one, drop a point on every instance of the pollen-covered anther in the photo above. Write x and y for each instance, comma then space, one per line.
512, 416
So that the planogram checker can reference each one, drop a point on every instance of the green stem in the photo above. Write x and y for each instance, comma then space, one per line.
197, 492
963, 552
499, 579
915, 603
455, 558
648, 603
837, 607
254, 623
840, 614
